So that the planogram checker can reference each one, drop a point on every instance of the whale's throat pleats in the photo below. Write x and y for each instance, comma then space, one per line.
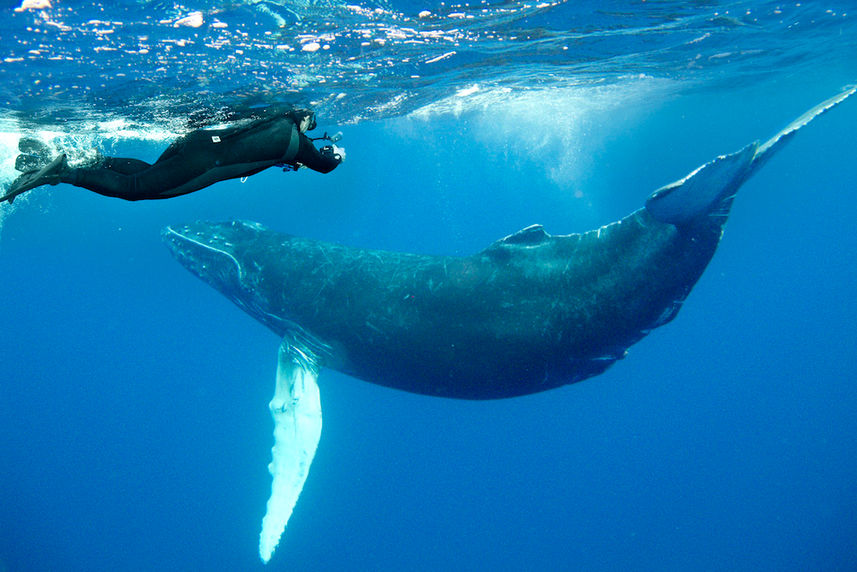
296, 410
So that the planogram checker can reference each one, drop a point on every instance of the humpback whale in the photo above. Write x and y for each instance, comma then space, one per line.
529, 313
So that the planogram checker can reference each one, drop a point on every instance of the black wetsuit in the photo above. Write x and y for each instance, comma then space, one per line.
202, 158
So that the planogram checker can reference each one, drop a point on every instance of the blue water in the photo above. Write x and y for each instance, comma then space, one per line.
135, 432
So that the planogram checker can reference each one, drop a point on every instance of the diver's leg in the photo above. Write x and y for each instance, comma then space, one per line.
172, 177
124, 166
134, 180
111, 177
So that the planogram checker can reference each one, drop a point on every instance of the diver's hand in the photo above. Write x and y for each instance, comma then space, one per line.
334, 152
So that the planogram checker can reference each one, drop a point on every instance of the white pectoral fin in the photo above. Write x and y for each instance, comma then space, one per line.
707, 189
775, 143
296, 409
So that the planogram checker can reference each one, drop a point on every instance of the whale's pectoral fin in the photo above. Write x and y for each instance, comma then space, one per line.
709, 189
296, 409
695, 195
775, 143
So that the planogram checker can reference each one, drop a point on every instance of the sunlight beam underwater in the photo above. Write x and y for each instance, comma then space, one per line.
529, 313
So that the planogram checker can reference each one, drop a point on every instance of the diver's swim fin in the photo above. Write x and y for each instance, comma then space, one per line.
34, 155
47, 175
32, 146
26, 163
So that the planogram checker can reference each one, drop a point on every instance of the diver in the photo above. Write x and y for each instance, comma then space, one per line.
194, 161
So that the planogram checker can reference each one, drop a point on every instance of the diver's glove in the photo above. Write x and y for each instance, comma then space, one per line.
339, 153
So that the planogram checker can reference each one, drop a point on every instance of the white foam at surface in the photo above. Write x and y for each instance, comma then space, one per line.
8, 152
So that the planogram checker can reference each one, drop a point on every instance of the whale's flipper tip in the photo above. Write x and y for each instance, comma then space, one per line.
775, 143
710, 188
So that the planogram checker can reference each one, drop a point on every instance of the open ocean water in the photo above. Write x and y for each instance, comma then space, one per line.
133, 398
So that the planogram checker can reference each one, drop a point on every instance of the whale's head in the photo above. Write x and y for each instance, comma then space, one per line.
229, 257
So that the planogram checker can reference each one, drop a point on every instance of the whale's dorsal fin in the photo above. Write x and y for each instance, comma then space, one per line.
530, 236
296, 409
503, 249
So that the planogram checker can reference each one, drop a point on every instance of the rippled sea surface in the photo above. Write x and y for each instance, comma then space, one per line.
134, 430
158, 62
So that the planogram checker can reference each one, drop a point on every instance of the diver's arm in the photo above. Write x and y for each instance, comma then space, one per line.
311, 157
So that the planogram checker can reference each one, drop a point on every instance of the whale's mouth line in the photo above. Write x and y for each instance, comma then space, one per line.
209, 247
